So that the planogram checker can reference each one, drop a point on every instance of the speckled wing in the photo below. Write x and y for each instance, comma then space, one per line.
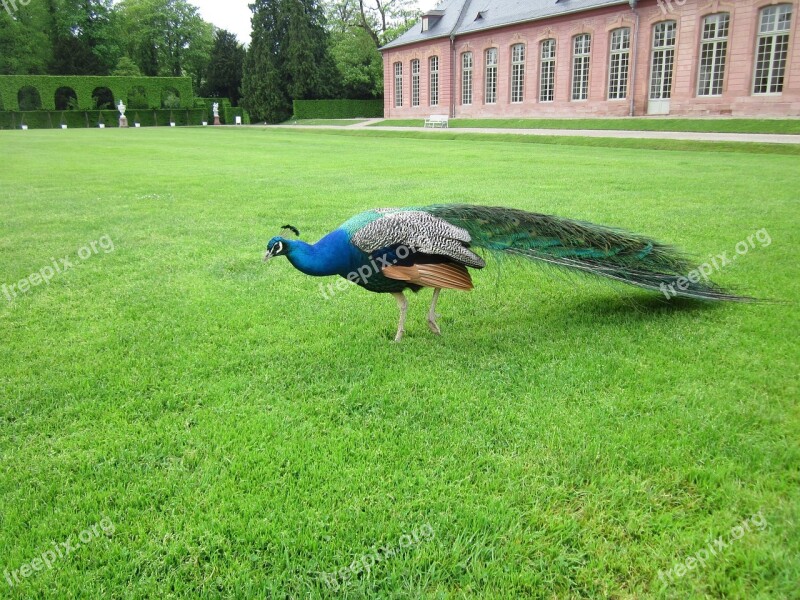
419, 231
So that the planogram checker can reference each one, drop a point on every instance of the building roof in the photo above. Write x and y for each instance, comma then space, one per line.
466, 16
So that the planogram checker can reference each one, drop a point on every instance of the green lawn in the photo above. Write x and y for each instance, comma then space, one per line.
221, 430
782, 126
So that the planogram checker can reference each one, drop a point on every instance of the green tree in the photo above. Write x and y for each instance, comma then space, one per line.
165, 37
359, 64
83, 37
127, 68
224, 73
25, 47
288, 58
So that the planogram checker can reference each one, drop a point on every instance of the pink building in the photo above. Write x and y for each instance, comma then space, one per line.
568, 58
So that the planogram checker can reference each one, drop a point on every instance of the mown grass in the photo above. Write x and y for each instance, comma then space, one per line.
780, 126
562, 438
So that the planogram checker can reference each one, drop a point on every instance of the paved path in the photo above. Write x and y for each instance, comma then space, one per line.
764, 138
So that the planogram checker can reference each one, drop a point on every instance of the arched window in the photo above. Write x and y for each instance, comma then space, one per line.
466, 78
491, 76
772, 48
517, 73
433, 71
547, 73
581, 54
29, 98
619, 63
398, 84
66, 99
662, 60
713, 54
415, 82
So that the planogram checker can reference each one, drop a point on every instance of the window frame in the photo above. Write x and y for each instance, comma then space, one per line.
715, 67
584, 59
415, 69
398, 84
467, 78
547, 68
617, 83
433, 80
775, 36
490, 75
518, 52
667, 50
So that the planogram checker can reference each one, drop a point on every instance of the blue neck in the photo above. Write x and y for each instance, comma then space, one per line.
332, 255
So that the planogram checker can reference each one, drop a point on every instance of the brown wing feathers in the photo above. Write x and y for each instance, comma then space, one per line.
437, 275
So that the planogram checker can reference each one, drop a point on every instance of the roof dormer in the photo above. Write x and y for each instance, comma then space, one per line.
430, 18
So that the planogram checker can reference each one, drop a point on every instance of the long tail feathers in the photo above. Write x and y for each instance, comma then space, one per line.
612, 253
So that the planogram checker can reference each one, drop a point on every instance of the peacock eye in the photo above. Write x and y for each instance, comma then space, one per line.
280, 248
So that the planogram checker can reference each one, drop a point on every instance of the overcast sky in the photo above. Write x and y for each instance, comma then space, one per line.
234, 15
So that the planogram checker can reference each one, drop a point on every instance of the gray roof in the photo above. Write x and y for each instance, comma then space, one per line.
466, 16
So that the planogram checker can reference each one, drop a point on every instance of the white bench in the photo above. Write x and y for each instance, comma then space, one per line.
437, 121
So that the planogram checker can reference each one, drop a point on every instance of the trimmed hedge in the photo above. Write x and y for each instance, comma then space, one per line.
227, 112
45, 119
120, 87
338, 109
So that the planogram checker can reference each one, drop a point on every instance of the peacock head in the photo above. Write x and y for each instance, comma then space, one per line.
278, 245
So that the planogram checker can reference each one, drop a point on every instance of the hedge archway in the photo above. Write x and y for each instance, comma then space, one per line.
103, 98
66, 99
170, 98
29, 99
137, 97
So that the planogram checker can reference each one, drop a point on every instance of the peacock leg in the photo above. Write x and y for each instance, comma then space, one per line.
432, 313
402, 304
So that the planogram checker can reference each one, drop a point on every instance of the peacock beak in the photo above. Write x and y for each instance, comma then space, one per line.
269, 255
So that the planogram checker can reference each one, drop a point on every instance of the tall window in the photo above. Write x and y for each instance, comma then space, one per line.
772, 48
466, 78
547, 76
398, 84
415, 82
491, 76
433, 87
517, 72
581, 52
662, 60
713, 52
619, 62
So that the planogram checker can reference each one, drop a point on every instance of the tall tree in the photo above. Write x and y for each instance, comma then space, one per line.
224, 74
359, 64
166, 37
385, 20
25, 47
288, 58
83, 37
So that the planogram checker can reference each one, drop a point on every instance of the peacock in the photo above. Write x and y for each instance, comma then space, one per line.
390, 250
